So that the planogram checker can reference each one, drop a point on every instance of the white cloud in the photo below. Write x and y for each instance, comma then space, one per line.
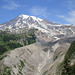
69, 4
61, 16
72, 13
39, 11
11, 4
70, 18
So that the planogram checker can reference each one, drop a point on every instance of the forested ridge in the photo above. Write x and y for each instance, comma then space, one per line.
69, 69
9, 41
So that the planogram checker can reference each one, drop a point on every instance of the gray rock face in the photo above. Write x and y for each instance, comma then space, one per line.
29, 60
35, 59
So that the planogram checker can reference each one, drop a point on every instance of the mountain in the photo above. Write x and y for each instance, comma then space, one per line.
44, 55
25, 22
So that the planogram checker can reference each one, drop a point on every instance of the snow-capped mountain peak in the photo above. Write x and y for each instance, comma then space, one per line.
37, 19
27, 16
45, 26
23, 16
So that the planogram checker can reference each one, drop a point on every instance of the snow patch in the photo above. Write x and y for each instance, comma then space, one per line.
35, 18
24, 16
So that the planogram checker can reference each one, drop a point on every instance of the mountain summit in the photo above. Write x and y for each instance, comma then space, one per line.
44, 25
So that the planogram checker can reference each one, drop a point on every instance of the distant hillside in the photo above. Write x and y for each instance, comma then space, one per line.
9, 41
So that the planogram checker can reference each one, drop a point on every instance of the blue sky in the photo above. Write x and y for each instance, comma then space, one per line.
60, 11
